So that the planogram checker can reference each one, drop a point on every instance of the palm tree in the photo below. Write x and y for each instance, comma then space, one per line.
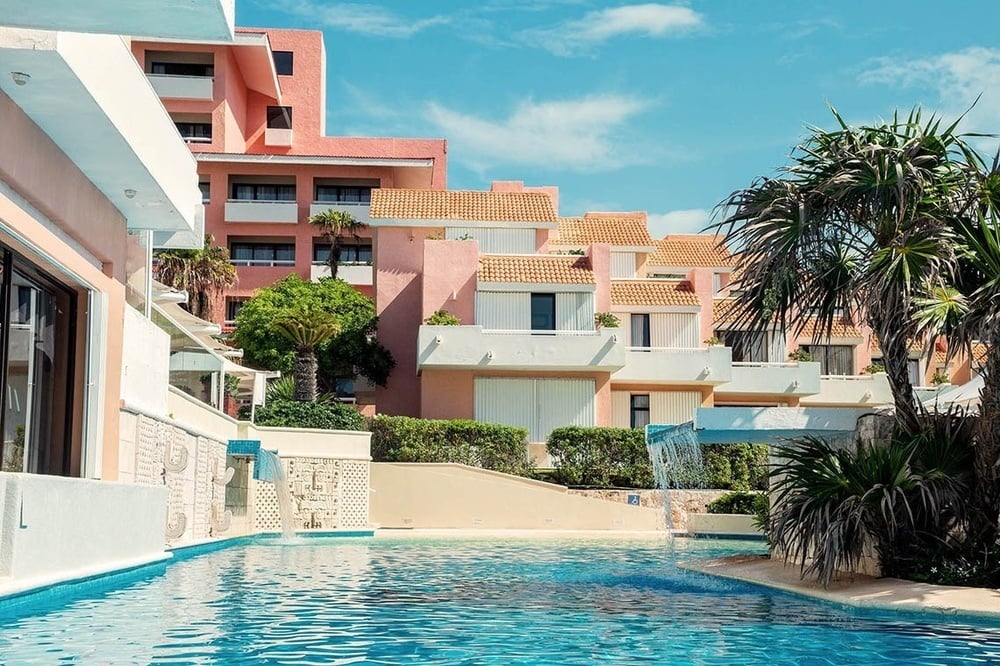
203, 274
862, 221
307, 330
333, 224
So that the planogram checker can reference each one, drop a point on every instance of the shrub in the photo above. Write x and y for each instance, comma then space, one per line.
741, 467
747, 504
295, 414
606, 320
486, 445
873, 369
443, 318
800, 356
604, 457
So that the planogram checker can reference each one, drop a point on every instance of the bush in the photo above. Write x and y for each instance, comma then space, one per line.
295, 414
603, 457
740, 467
747, 504
486, 445
443, 318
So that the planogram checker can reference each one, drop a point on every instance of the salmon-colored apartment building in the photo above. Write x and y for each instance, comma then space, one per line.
253, 111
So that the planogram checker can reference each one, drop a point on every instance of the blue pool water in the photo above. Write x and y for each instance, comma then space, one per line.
483, 601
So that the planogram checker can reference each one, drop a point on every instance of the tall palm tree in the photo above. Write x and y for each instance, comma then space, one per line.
307, 330
862, 221
333, 224
202, 273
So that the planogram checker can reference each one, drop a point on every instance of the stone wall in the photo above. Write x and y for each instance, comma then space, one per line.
682, 502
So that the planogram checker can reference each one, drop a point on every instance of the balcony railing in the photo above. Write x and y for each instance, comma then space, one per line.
676, 365
773, 379
169, 86
851, 391
262, 262
361, 210
356, 274
246, 210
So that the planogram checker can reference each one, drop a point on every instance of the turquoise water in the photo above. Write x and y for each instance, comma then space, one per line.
483, 601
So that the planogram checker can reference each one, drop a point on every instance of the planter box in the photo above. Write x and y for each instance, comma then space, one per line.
722, 525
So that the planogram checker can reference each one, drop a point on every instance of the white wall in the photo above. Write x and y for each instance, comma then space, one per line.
145, 364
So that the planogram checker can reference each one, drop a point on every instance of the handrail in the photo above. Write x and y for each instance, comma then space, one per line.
262, 262
668, 349
760, 364
263, 201
568, 333
851, 378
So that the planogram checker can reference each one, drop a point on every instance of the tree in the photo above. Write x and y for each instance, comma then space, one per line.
333, 224
352, 351
203, 274
862, 221
306, 330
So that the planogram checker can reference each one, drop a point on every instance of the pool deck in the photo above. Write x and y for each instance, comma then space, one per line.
858, 591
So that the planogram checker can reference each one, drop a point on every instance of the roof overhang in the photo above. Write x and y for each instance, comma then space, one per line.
88, 94
685, 269
765, 425
316, 160
464, 224
190, 19
256, 61
563, 287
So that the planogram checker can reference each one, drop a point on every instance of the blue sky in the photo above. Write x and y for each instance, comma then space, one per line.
662, 107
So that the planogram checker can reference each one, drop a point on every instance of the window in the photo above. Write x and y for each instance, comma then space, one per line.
543, 312
262, 254
254, 192
206, 191
343, 194
747, 347
182, 69
347, 254
279, 117
639, 409
195, 132
832, 359
233, 306
640, 330
283, 62
913, 370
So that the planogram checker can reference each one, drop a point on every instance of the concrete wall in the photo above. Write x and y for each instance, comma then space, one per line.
422, 495
145, 364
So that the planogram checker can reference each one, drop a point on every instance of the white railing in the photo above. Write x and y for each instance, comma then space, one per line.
762, 364
197, 139
498, 331
849, 378
261, 201
262, 262
689, 350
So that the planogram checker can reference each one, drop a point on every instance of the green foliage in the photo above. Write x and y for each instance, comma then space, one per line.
602, 457
298, 414
443, 318
939, 378
741, 467
713, 342
606, 320
202, 273
747, 504
351, 349
232, 385
873, 369
800, 355
486, 445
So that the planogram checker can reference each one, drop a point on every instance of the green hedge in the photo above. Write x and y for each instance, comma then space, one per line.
736, 466
602, 457
321, 415
485, 445
748, 504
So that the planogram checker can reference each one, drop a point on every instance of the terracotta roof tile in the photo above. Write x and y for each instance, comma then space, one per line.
979, 351
841, 329
653, 292
538, 269
722, 310
619, 230
462, 205
691, 251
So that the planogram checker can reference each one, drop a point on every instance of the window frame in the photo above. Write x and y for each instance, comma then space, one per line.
546, 300
279, 67
278, 117
258, 252
634, 409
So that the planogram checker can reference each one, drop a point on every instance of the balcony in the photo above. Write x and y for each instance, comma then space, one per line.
356, 274
470, 347
773, 379
670, 366
169, 86
273, 212
360, 210
851, 391
267, 263
277, 138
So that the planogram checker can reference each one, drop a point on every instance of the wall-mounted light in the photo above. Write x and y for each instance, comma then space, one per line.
795, 384
707, 371
438, 340
867, 396
20, 78
614, 338
454, 295
489, 354
129, 193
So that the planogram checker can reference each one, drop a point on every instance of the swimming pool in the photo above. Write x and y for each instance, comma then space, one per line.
393, 600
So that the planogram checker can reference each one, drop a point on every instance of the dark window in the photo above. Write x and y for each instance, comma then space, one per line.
182, 69
262, 254
206, 191
279, 117
348, 254
283, 62
345, 194
233, 306
747, 347
640, 330
543, 312
639, 411
197, 132
832, 359
254, 192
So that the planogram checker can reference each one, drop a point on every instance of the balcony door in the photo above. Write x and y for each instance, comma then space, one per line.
543, 312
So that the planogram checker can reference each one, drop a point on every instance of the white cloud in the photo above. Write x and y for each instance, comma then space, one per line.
689, 221
366, 19
575, 135
597, 27
957, 79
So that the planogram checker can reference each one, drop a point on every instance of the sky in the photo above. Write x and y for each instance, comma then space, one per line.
661, 107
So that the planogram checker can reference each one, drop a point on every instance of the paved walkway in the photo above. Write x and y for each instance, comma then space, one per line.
860, 591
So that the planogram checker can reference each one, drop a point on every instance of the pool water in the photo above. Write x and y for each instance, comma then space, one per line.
482, 601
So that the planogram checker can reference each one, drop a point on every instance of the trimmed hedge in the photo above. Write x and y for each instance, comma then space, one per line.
486, 445
736, 466
602, 457
747, 504
322, 415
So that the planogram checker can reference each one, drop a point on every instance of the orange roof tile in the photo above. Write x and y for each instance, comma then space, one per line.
691, 251
653, 292
536, 269
613, 229
840, 329
462, 205
722, 310
979, 351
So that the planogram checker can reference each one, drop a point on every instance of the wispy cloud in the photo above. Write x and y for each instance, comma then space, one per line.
689, 221
366, 19
955, 79
597, 27
580, 135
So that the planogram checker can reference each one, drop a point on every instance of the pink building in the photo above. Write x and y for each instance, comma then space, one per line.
253, 112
